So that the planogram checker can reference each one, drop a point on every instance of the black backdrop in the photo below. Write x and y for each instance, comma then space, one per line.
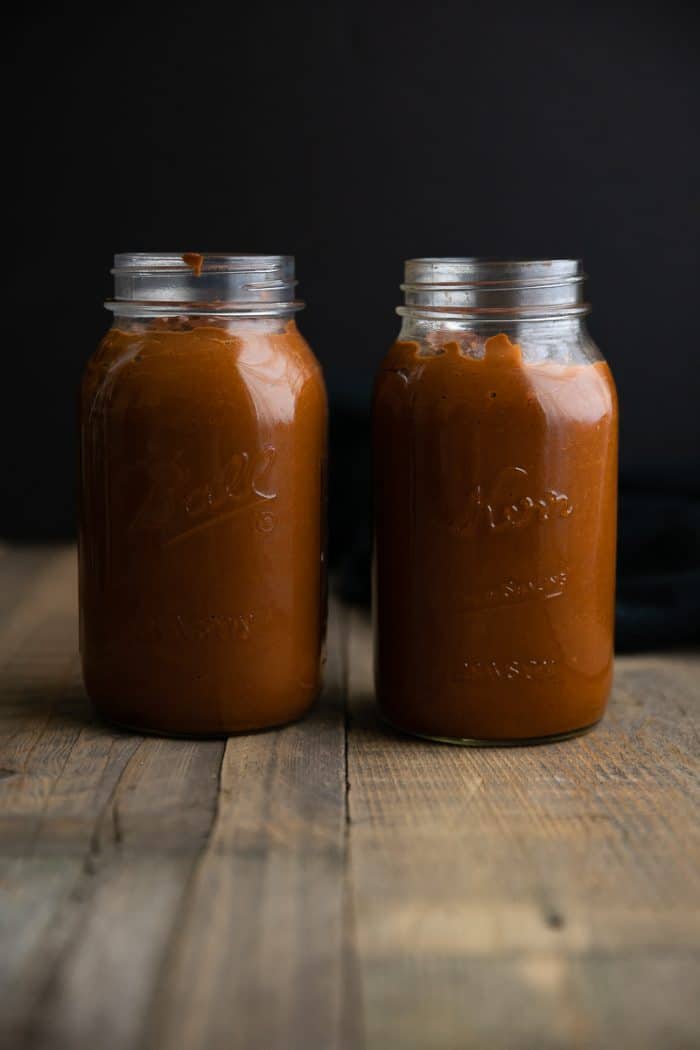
352, 135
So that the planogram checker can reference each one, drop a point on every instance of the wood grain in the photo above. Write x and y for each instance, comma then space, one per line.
99, 833
158, 892
532, 896
259, 954
333, 884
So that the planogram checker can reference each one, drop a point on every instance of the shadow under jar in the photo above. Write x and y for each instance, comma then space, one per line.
495, 467
202, 510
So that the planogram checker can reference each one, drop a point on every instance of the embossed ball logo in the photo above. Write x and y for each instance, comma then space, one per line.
175, 506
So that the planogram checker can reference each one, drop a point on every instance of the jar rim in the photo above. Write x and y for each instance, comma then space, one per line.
493, 260
211, 262
475, 269
153, 283
492, 288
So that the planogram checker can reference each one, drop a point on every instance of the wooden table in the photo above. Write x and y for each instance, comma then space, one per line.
331, 885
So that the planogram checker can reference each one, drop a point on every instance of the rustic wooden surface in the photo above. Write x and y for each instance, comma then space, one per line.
332, 885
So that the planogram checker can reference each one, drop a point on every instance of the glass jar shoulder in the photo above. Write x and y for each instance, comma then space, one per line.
477, 369
201, 361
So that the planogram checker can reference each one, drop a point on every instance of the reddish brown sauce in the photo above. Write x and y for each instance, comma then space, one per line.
195, 261
495, 509
203, 459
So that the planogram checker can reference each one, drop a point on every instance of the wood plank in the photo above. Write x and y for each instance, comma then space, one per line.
115, 904
99, 833
151, 896
534, 896
259, 956
101, 889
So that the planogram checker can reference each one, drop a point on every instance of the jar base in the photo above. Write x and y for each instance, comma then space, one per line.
552, 738
212, 734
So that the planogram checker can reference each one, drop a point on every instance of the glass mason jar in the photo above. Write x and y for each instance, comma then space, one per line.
495, 464
202, 509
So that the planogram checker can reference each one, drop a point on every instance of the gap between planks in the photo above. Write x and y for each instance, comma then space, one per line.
339, 885
137, 919
541, 896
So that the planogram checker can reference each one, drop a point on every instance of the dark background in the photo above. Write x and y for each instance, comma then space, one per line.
354, 135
